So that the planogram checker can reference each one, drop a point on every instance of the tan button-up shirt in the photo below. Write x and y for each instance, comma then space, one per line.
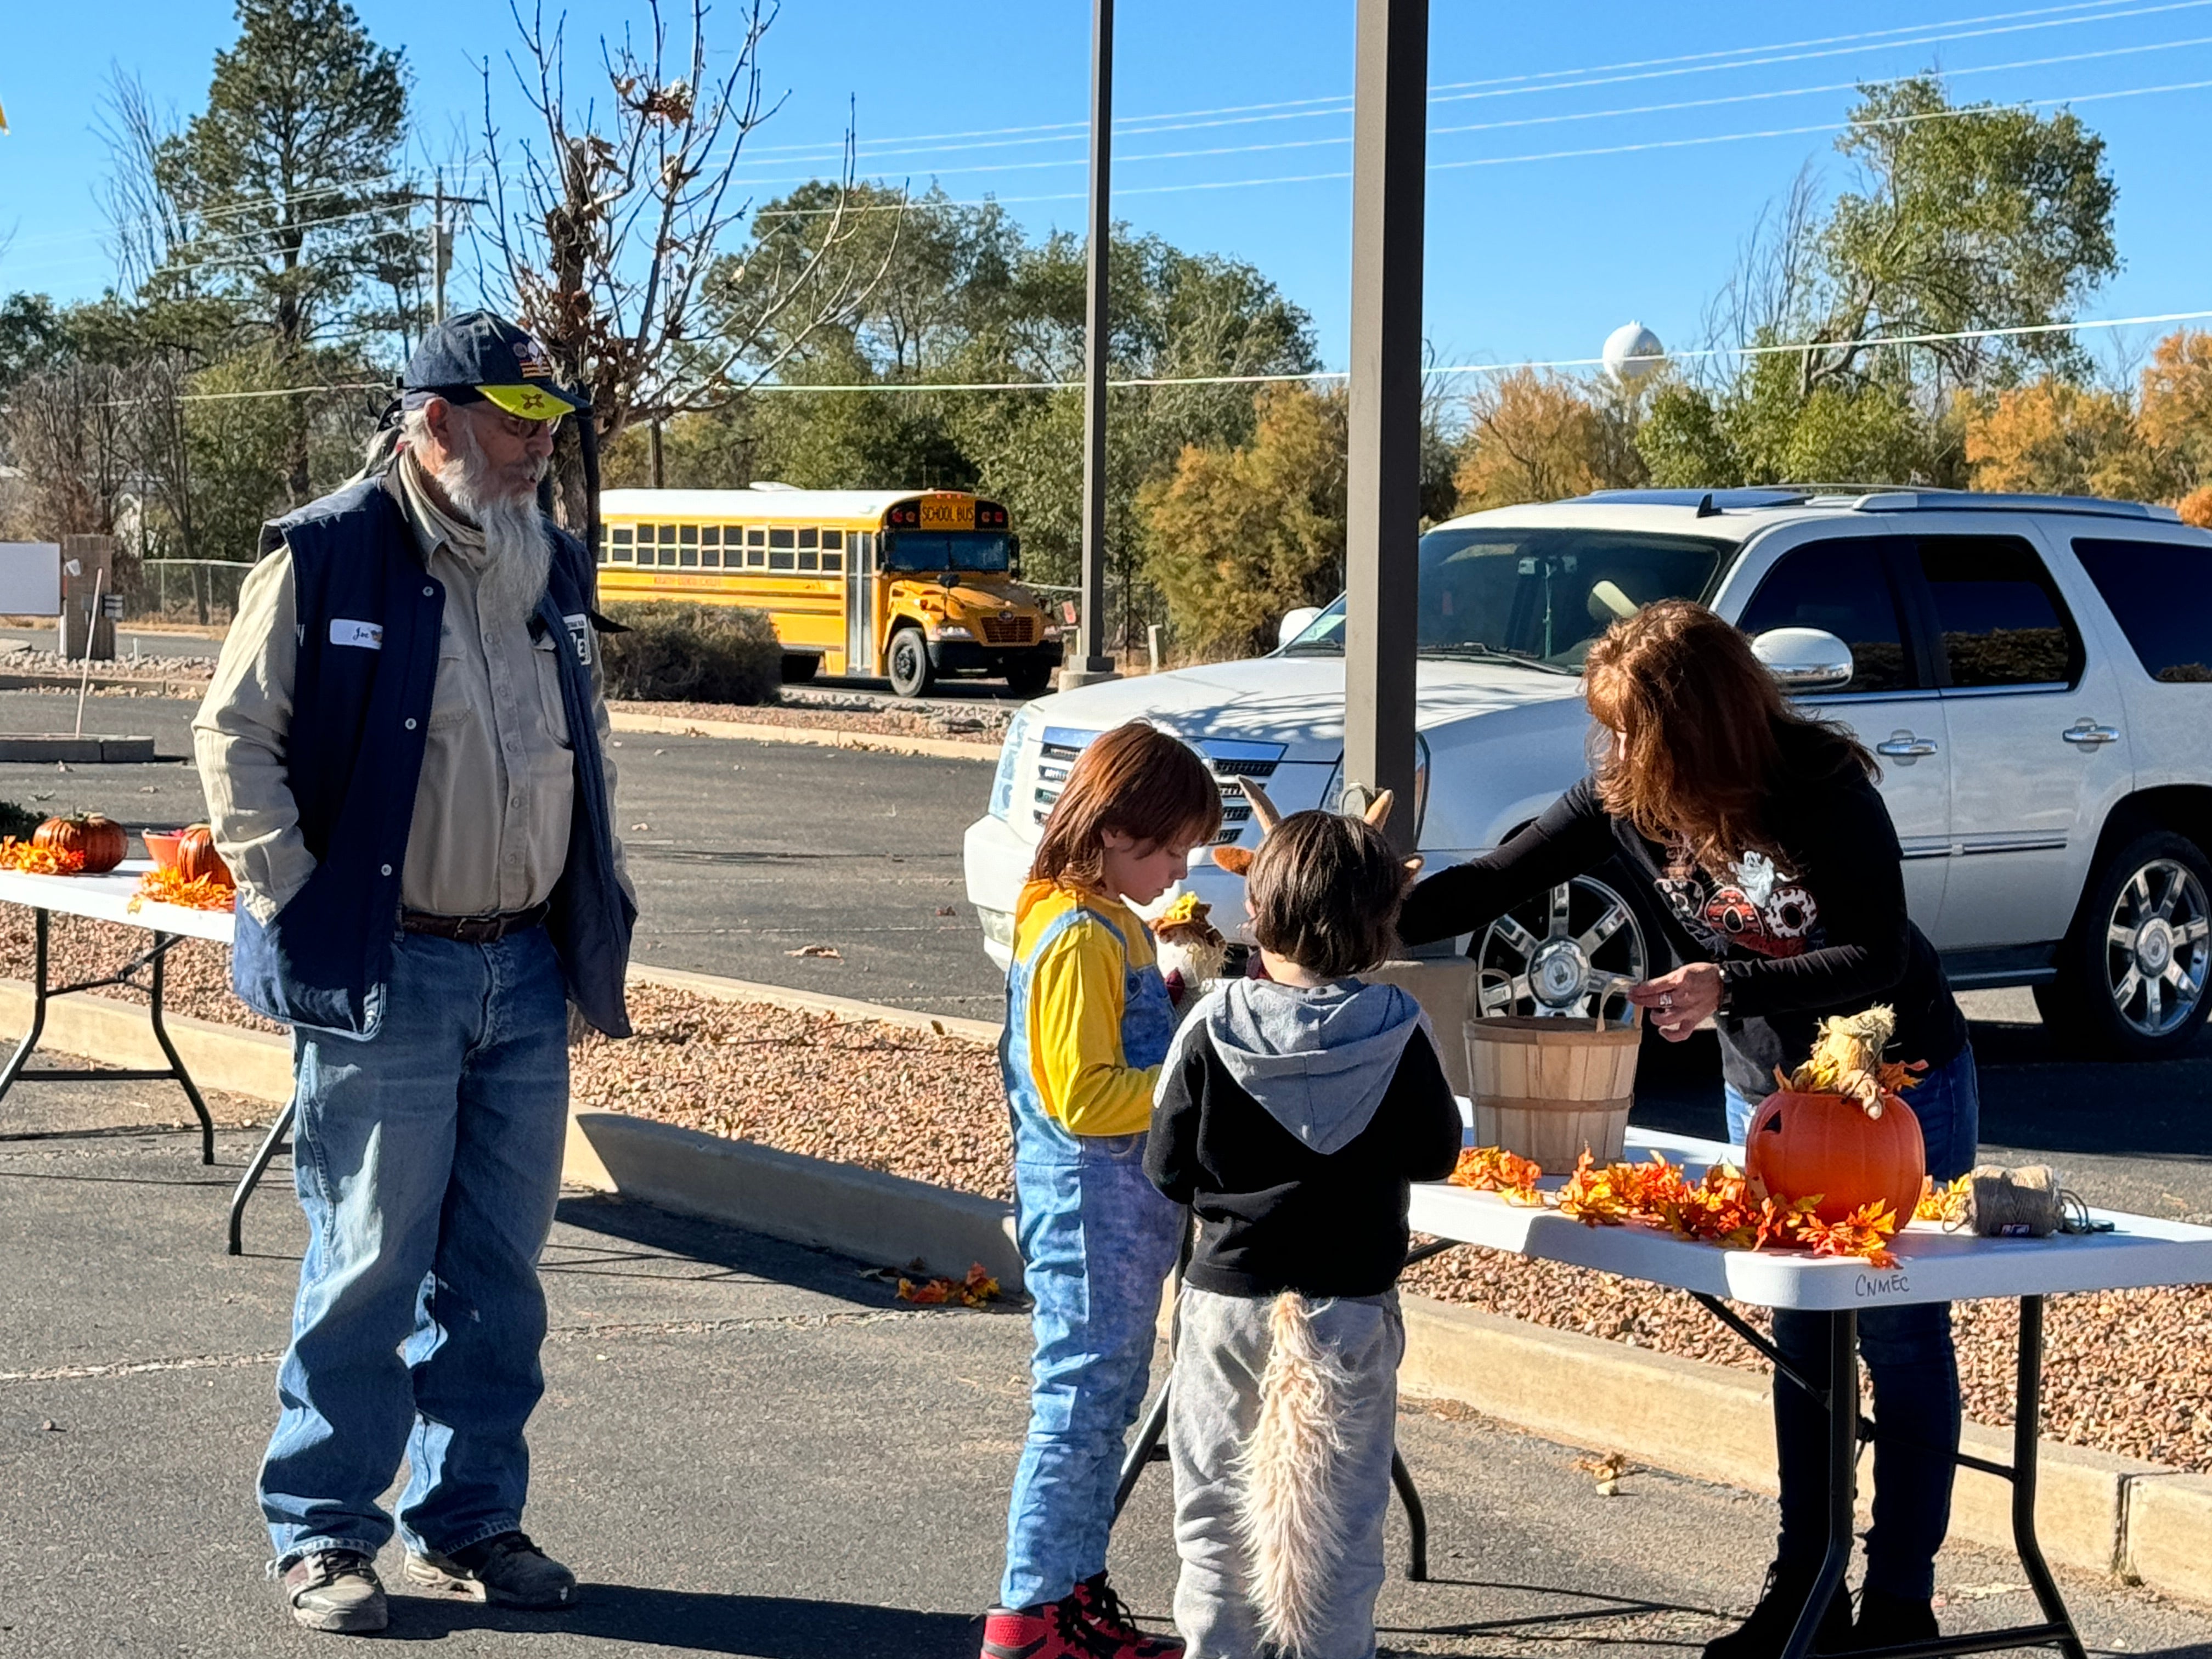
490, 829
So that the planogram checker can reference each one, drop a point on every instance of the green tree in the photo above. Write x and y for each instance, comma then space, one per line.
1238, 536
287, 191
1961, 218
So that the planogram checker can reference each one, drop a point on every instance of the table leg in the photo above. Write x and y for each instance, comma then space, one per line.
1842, 1474
2027, 1432
38, 1005
269, 1147
1148, 1442
176, 1063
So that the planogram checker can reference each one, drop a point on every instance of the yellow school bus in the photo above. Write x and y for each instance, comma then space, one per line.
909, 584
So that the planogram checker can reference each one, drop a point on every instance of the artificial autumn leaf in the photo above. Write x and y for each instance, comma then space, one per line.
22, 856
1946, 1203
168, 886
973, 1292
1488, 1170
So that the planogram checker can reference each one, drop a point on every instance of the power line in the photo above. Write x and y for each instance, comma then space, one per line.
1506, 86
1509, 161
916, 387
1078, 129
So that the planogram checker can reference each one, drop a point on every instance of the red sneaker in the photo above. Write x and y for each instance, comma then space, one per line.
1110, 1622
1055, 1631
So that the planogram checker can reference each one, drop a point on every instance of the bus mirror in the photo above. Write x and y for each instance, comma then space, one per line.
1013, 556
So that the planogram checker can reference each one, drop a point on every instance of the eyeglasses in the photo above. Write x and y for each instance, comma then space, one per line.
516, 426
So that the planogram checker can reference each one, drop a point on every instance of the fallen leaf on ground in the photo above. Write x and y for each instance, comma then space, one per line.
972, 1292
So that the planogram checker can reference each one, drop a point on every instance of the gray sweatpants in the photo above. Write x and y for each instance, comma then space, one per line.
1221, 1349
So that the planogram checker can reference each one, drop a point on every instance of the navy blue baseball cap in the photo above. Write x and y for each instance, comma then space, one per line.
479, 356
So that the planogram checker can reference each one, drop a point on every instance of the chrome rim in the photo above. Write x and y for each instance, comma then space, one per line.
1567, 953
2157, 942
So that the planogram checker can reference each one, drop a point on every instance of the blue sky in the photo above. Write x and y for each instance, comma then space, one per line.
1526, 257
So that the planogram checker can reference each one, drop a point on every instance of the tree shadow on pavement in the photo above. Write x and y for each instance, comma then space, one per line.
754, 1626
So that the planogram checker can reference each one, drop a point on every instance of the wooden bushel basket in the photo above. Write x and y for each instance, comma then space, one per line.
1546, 1088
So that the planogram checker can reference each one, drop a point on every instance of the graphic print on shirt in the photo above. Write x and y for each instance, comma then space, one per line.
1759, 908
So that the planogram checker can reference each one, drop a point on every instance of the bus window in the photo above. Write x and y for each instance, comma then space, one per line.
710, 546
667, 549
809, 537
832, 564
755, 542
689, 536
782, 550
620, 549
946, 550
832, 540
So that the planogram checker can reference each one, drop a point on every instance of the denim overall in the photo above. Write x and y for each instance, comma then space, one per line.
1097, 1243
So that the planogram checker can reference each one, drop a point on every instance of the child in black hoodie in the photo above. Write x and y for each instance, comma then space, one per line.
1292, 1113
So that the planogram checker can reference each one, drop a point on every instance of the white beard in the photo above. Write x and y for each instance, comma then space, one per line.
518, 549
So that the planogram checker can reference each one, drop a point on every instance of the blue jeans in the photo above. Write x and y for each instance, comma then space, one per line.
1915, 1373
428, 1158
1099, 1241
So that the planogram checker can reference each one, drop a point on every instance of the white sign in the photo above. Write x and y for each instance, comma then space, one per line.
30, 579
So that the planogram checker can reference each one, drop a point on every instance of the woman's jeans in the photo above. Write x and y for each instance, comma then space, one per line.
1915, 1372
1099, 1241
428, 1158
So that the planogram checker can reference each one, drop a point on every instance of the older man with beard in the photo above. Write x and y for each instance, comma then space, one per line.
405, 762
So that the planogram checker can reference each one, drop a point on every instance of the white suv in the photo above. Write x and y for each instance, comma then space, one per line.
2035, 673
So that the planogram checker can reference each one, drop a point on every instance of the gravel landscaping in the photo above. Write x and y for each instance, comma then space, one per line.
2129, 1372
844, 711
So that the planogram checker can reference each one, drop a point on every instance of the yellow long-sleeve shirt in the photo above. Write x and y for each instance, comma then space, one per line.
1076, 993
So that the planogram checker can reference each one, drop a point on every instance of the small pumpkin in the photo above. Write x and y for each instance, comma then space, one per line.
197, 859
93, 844
1803, 1145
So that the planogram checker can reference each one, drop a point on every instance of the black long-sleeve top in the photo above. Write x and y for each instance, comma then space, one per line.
1824, 933
1274, 1214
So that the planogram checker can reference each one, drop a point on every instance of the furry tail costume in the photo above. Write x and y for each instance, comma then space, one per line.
1289, 1509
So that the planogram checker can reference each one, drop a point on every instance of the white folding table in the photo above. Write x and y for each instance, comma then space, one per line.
108, 897
1932, 1266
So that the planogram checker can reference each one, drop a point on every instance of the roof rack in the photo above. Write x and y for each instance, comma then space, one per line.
1880, 498
1970, 500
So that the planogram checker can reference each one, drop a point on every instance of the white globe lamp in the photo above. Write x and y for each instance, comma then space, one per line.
1632, 353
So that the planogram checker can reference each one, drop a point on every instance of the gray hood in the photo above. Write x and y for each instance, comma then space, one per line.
1318, 1061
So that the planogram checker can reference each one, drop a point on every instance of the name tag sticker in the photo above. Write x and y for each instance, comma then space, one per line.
369, 637
580, 630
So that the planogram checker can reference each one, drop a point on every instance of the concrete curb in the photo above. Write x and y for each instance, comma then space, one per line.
778, 996
886, 1220
37, 747
827, 737
256, 1064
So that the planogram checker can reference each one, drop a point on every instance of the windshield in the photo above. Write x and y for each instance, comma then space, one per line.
947, 549
1539, 596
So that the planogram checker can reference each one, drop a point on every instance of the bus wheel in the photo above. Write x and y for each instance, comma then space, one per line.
1027, 675
910, 660
800, 666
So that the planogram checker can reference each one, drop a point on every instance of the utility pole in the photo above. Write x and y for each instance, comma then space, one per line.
1091, 664
1389, 157
441, 251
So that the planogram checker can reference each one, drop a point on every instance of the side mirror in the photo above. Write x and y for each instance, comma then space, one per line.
1295, 623
1805, 658
1013, 556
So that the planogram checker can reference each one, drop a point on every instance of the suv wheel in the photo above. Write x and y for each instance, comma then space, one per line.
2132, 976
909, 663
1571, 951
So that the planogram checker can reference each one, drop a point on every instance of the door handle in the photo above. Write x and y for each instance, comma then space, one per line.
1902, 745
2088, 734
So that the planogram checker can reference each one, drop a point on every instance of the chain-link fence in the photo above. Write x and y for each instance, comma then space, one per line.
199, 590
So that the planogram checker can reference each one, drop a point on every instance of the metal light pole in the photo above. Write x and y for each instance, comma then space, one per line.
1389, 155
1091, 664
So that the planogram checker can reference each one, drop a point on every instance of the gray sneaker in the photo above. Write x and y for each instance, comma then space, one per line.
335, 1591
509, 1571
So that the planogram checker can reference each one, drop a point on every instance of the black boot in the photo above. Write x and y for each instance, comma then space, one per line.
1762, 1635
1889, 1622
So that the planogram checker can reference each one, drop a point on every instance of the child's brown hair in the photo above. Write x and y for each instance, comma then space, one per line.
1324, 892
1136, 781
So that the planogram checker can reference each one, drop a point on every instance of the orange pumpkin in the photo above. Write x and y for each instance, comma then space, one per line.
1803, 1145
197, 858
93, 843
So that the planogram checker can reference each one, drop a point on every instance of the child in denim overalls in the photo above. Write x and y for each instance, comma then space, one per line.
1088, 1023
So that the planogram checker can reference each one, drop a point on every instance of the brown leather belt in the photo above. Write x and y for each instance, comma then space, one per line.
475, 930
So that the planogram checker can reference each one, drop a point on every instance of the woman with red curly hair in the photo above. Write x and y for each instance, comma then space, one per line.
1777, 873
